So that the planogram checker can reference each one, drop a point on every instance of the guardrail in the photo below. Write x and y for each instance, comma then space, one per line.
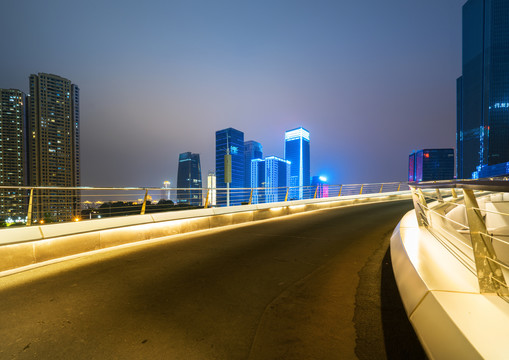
450, 257
28, 205
471, 219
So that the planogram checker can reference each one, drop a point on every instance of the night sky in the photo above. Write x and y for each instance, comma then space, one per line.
371, 80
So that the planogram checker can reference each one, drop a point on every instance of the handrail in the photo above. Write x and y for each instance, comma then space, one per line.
43, 204
471, 184
491, 270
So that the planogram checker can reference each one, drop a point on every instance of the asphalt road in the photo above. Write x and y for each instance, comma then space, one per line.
305, 286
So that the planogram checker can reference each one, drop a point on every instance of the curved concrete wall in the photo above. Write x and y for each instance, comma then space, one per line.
442, 300
29, 245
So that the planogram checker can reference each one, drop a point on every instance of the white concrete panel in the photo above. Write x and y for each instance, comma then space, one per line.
181, 214
16, 255
440, 336
497, 220
233, 209
20, 234
411, 287
55, 230
459, 215
421, 263
482, 319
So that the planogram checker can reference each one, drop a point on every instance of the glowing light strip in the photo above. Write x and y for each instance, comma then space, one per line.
297, 134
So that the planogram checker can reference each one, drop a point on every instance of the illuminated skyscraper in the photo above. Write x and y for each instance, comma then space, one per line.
189, 177
257, 181
297, 152
12, 153
483, 90
431, 164
272, 174
252, 150
54, 150
230, 141
277, 174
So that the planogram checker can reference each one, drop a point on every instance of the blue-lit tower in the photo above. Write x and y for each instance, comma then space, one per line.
483, 90
258, 181
272, 174
277, 173
297, 152
189, 177
252, 150
230, 141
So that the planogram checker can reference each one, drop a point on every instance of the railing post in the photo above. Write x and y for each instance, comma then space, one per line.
399, 186
250, 197
360, 192
439, 195
420, 207
30, 205
144, 203
381, 188
286, 196
340, 188
316, 190
207, 199
454, 194
489, 273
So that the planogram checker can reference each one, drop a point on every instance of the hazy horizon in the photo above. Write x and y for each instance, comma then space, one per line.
371, 81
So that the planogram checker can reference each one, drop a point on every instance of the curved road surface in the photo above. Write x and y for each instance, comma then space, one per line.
305, 286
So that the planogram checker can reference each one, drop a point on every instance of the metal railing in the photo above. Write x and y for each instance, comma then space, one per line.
28, 205
471, 219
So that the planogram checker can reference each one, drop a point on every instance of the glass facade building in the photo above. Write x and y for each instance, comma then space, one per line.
483, 88
54, 146
230, 141
189, 177
12, 153
272, 174
252, 150
411, 167
297, 152
258, 181
431, 164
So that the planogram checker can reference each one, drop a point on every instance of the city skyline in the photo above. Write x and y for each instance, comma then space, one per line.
343, 71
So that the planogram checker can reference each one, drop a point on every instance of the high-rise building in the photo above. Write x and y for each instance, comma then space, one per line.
189, 177
258, 181
211, 188
411, 167
272, 174
252, 150
431, 164
54, 145
277, 174
297, 152
12, 153
230, 141
483, 89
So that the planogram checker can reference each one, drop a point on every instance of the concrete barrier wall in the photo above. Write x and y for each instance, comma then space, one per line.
442, 299
29, 245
